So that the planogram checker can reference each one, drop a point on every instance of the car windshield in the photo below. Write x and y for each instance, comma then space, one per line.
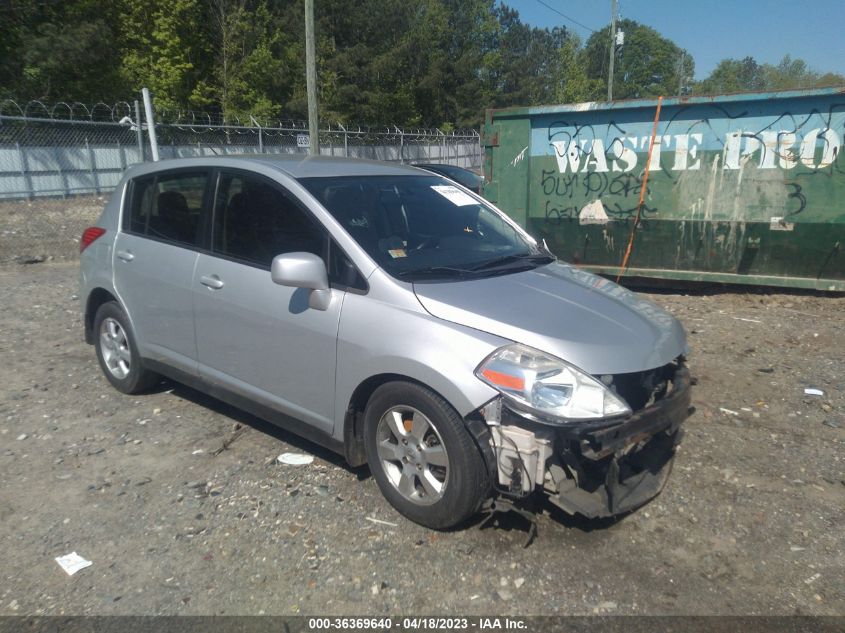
425, 228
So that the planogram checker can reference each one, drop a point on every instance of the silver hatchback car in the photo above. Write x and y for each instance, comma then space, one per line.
395, 317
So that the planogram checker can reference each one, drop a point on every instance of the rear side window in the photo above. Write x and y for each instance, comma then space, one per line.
254, 221
168, 206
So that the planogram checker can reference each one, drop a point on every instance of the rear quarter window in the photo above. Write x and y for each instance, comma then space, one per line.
167, 207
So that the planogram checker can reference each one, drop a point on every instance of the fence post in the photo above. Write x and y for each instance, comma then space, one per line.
442, 144
62, 175
93, 171
25, 170
139, 134
345, 141
121, 152
260, 135
151, 126
401, 145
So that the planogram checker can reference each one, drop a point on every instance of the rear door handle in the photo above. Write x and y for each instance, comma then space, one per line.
212, 281
125, 256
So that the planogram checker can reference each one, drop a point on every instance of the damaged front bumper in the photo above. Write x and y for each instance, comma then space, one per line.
596, 469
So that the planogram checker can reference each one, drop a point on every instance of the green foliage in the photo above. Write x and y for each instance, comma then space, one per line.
792, 74
54, 51
733, 75
741, 75
168, 50
433, 63
249, 70
525, 70
648, 65
574, 85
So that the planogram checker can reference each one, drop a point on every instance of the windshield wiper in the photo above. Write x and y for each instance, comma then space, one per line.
434, 270
450, 271
508, 259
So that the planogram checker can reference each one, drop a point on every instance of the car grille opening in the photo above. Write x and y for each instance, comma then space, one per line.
643, 388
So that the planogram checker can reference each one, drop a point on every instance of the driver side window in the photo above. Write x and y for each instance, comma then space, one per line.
254, 221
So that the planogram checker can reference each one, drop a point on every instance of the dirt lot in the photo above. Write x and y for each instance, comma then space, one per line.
45, 228
751, 521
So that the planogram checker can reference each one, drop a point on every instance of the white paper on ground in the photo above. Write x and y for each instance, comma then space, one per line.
72, 563
454, 195
295, 459
813, 392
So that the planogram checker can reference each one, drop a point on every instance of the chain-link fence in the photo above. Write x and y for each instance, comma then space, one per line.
58, 164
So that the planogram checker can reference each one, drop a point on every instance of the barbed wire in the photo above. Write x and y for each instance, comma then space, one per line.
66, 111
197, 122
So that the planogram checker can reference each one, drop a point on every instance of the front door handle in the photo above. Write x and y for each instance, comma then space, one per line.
212, 281
125, 256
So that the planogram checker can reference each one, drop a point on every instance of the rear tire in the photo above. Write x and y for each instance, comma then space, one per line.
422, 456
117, 351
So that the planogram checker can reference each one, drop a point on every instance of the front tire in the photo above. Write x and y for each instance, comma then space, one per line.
117, 351
422, 457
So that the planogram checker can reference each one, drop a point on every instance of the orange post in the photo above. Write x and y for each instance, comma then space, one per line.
642, 192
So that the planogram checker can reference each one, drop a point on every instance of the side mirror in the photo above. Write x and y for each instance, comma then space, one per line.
303, 270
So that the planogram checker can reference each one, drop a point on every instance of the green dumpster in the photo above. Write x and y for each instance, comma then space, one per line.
742, 188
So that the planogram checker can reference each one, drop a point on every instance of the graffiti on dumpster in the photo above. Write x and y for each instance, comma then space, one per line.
730, 166
619, 194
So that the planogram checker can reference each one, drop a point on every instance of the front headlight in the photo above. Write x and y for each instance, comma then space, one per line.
544, 384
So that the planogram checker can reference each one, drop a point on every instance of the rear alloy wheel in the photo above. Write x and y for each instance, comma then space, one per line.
115, 348
422, 456
117, 351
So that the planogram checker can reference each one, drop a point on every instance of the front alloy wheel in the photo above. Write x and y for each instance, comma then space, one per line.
413, 455
423, 458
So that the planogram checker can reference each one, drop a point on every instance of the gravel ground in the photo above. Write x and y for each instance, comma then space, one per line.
181, 506
45, 228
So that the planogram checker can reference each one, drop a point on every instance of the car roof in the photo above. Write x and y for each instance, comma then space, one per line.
295, 165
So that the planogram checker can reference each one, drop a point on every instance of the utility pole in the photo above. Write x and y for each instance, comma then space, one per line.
311, 78
612, 49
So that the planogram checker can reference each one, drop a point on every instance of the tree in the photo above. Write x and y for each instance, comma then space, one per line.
792, 74
365, 66
573, 85
735, 75
249, 74
166, 48
648, 65
420, 63
56, 51
532, 66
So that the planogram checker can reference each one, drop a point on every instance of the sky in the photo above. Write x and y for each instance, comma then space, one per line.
712, 30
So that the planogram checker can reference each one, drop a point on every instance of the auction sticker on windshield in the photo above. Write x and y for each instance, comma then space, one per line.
454, 195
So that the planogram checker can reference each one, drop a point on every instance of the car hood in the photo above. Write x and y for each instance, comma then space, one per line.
586, 320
